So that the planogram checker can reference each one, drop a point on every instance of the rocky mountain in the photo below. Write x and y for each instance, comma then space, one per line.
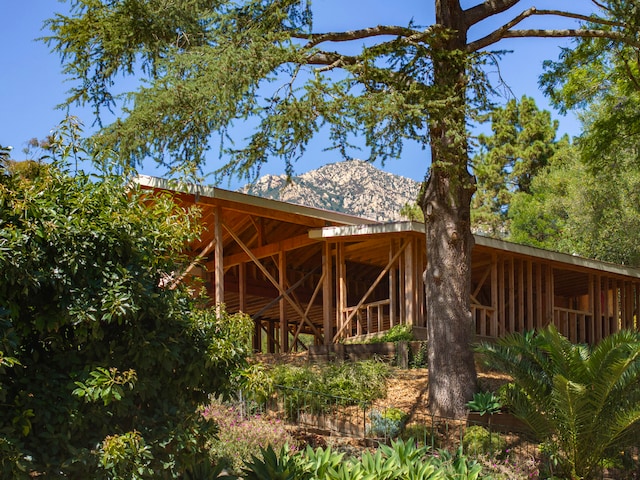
355, 187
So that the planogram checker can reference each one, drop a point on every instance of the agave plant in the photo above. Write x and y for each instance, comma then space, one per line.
584, 399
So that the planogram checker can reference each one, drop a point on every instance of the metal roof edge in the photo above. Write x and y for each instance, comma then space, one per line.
557, 256
251, 200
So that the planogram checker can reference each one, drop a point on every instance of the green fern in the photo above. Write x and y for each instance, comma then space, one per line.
584, 399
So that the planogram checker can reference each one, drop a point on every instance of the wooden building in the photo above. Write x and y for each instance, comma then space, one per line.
303, 271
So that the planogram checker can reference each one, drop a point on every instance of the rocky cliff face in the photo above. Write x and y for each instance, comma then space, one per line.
355, 187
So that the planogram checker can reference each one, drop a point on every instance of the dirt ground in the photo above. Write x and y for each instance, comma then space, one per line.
408, 389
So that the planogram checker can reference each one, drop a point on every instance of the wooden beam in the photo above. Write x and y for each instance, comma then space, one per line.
371, 288
266, 273
205, 251
393, 285
410, 284
270, 249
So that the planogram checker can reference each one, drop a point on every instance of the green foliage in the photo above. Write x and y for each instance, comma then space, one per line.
585, 400
522, 143
478, 440
397, 333
240, 436
101, 354
321, 388
484, 403
274, 466
388, 423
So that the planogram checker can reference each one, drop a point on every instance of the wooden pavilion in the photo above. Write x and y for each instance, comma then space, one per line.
300, 271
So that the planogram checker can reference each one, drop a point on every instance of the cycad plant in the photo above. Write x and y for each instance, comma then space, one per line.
585, 400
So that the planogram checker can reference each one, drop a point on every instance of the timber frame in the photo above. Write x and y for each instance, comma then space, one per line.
302, 272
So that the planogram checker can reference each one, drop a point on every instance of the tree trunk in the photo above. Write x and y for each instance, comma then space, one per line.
446, 203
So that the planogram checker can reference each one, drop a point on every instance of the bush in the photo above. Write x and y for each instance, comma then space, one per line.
241, 437
322, 388
107, 367
388, 423
478, 440
397, 333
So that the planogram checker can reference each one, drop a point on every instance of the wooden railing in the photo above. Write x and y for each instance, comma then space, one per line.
573, 324
369, 318
483, 318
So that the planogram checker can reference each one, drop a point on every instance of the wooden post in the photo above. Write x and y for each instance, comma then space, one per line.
530, 323
512, 296
282, 304
341, 286
550, 294
219, 259
598, 302
393, 286
327, 293
493, 330
502, 320
409, 283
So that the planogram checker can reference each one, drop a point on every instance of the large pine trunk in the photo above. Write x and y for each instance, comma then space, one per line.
446, 203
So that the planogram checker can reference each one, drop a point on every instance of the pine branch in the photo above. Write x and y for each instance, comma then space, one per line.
380, 30
487, 9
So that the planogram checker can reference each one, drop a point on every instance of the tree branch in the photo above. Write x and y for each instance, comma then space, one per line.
381, 30
505, 30
487, 9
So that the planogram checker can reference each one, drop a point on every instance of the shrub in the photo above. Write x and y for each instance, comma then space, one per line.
397, 333
321, 388
479, 440
388, 423
107, 366
240, 437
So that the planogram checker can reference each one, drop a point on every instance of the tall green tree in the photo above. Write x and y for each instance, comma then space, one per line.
101, 368
522, 140
212, 65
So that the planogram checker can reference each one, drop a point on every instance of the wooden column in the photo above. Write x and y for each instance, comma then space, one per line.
598, 301
493, 328
282, 303
218, 258
512, 295
550, 294
520, 320
409, 283
327, 293
502, 314
530, 323
341, 285
393, 286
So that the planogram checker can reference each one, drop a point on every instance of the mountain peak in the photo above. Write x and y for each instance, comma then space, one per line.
354, 186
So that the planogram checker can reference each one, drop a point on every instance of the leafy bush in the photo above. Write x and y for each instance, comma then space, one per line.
479, 440
321, 388
241, 437
108, 367
397, 333
388, 423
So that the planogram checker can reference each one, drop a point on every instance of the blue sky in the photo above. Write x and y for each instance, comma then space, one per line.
32, 85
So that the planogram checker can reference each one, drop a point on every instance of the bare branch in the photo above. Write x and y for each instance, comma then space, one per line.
505, 30
575, 33
381, 30
487, 9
